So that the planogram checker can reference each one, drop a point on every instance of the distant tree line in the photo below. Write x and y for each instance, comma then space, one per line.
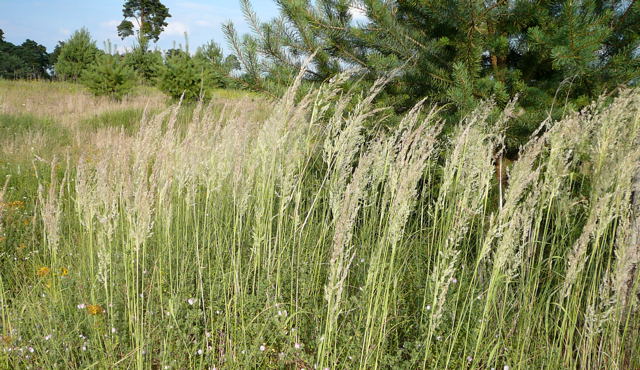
27, 60
107, 72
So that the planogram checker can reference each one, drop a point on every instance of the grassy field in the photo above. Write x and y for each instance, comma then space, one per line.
257, 234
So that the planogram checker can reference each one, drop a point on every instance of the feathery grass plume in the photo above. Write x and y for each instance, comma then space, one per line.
628, 240
50, 205
412, 152
344, 138
507, 234
278, 154
342, 253
461, 202
439, 283
516, 229
86, 193
107, 199
628, 251
614, 156
599, 311
523, 176
466, 178
3, 191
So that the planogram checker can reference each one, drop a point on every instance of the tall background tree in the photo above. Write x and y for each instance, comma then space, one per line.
457, 53
150, 17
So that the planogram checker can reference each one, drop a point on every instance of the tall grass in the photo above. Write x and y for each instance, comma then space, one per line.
305, 241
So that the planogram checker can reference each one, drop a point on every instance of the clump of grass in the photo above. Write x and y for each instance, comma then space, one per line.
13, 125
26, 133
209, 237
126, 119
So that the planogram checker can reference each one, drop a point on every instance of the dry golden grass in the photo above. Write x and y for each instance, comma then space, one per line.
68, 103
47, 117
55, 119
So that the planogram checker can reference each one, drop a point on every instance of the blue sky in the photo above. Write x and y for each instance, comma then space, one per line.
49, 21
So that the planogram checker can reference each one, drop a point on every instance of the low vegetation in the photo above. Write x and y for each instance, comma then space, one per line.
287, 235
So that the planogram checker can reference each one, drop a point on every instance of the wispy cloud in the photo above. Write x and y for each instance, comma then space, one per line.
110, 24
203, 23
176, 29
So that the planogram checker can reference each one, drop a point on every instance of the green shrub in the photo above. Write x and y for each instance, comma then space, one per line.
76, 55
109, 77
187, 77
146, 64
210, 55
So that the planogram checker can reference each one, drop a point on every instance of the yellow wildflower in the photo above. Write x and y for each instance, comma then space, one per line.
64, 271
94, 309
25, 222
6, 339
43, 271
16, 204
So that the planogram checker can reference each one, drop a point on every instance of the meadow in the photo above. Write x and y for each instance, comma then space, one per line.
251, 233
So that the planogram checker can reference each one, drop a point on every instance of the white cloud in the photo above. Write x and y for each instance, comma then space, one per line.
65, 31
203, 23
176, 28
110, 24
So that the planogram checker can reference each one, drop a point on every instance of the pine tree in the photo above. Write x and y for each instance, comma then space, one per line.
211, 57
457, 53
76, 55
151, 19
146, 63
109, 76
